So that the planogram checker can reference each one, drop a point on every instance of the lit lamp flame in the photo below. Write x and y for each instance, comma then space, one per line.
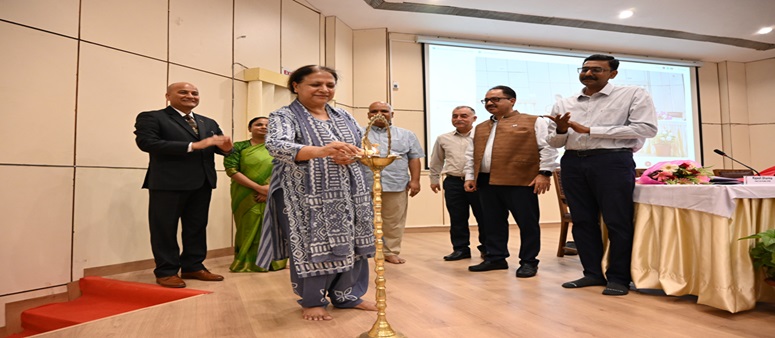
371, 151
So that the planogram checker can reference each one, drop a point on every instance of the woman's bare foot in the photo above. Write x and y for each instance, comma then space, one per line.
367, 306
315, 313
394, 259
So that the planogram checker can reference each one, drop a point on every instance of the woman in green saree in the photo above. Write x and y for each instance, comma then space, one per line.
250, 167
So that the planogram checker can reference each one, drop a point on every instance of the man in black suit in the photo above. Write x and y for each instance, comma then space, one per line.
180, 180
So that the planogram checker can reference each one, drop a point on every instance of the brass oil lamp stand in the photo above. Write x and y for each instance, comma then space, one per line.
371, 159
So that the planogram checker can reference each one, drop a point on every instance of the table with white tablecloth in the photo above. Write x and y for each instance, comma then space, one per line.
686, 242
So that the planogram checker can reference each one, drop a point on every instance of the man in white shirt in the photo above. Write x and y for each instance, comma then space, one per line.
600, 128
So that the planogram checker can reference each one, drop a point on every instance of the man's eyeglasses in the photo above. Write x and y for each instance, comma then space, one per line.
594, 70
494, 99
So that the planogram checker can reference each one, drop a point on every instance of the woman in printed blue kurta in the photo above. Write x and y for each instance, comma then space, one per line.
319, 197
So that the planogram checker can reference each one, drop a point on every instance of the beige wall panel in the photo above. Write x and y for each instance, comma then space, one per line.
322, 38
111, 218
760, 77
259, 22
360, 115
300, 36
370, 66
741, 145
723, 86
264, 98
726, 140
414, 121
276, 97
138, 26
59, 16
550, 208
201, 35
241, 117
329, 41
738, 93
214, 97
406, 71
709, 93
762, 156
220, 227
104, 73
38, 97
36, 204
339, 38
711, 139
425, 209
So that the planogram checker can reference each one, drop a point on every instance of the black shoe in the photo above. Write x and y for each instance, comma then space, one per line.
489, 265
584, 282
457, 255
527, 270
616, 289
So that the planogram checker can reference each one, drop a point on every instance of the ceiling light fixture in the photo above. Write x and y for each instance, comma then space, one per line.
765, 30
625, 14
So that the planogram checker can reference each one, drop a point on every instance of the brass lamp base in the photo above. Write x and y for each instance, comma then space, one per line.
385, 334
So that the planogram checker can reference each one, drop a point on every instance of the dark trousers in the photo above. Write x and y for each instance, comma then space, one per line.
497, 201
165, 209
595, 185
458, 204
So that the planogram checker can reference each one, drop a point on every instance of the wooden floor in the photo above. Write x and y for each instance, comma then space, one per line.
428, 297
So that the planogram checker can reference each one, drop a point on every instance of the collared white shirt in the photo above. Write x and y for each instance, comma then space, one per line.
183, 115
617, 116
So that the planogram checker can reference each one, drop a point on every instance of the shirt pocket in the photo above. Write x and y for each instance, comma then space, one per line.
400, 147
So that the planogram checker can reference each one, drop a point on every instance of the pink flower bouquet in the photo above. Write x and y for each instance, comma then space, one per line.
676, 172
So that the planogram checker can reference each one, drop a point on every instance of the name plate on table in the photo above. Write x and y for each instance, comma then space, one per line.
760, 180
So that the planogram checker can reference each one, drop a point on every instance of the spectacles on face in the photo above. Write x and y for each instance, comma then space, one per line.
594, 70
494, 99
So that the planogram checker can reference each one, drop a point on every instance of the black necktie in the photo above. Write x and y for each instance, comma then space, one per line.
191, 123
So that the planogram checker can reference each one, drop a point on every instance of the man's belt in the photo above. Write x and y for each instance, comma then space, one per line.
593, 152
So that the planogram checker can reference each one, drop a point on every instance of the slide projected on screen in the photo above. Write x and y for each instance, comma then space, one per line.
462, 75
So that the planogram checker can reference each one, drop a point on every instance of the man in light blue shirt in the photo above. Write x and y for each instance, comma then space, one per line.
399, 179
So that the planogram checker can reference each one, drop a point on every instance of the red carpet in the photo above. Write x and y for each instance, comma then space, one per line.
100, 298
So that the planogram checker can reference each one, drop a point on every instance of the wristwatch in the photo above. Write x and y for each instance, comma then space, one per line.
546, 173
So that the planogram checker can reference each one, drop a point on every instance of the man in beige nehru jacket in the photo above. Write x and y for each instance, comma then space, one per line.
510, 164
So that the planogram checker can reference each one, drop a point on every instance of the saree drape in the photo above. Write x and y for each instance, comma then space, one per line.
255, 163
